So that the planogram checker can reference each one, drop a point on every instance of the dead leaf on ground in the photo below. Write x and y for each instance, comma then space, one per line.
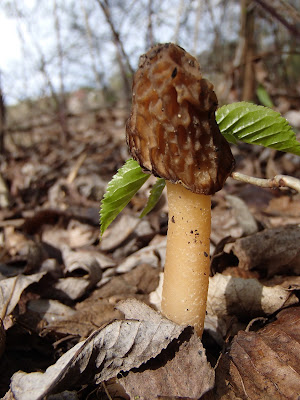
153, 254
243, 215
186, 375
119, 346
11, 290
75, 235
85, 273
50, 310
270, 250
245, 298
99, 308
264, 364
119, 231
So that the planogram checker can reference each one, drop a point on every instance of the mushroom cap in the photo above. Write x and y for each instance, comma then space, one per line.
172, 131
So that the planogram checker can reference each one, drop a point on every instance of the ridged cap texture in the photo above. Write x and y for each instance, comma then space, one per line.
172, 131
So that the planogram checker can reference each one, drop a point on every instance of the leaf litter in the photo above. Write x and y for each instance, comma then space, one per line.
75, 311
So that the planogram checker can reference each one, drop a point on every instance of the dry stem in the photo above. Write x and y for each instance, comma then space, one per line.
277, 182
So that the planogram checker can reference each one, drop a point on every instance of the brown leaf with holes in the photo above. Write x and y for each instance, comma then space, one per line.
264, 364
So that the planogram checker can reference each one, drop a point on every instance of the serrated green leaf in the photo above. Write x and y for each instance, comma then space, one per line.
155, 194
263, 97
257, 125
120, 190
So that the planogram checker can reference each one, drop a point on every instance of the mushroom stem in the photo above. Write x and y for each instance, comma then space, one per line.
187, 258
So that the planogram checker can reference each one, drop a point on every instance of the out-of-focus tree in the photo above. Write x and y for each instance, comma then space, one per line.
60, 98
2, 119
67, 45
122, 56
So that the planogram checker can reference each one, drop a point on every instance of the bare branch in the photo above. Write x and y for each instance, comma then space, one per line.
2, 118
284, 13
278, 181
122, 56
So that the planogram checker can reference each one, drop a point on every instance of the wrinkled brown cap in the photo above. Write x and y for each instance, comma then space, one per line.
172, 131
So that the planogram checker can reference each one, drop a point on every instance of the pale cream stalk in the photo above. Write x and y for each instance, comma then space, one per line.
187, 264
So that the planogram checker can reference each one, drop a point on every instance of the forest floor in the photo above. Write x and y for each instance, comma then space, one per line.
80, 306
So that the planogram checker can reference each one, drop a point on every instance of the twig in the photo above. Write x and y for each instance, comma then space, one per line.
73, 173
276, 182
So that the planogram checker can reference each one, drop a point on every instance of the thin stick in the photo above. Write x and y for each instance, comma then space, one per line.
277, 182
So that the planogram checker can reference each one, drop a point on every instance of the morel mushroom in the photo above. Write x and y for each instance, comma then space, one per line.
172, 133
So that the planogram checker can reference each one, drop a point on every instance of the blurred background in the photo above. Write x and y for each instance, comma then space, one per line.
67, 56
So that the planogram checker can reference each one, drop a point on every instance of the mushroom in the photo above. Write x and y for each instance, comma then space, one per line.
172, 133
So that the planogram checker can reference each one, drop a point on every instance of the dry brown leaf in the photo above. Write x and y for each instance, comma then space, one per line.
243, 215
264, 364
11, 290
283, 210
86, 270
142, 279
21, 248
119, 231
89, 315
50, 310
224, 223
70, 288
153, 254
271, 250
80, 261
119, 346
246, 298
99, 307
75, 235
186, 373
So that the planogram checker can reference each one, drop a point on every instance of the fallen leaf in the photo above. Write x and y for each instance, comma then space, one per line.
246, 298
119, 346
77, 262
271, 250
243, 215
75, 235
11, 290
119, 231
50, 310
184, 374
153, 254
99, 307
264, 364
70, 288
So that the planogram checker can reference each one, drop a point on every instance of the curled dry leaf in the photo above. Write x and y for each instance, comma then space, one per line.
246, 298
264, 364
117, 233
119, 346
243, 215
82, 261
50, 310
271, 249
76, 235
78, 263
11, 290
154, 255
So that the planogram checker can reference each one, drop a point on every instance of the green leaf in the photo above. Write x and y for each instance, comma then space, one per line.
257, 125
120, 190
263, 97
155, 194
